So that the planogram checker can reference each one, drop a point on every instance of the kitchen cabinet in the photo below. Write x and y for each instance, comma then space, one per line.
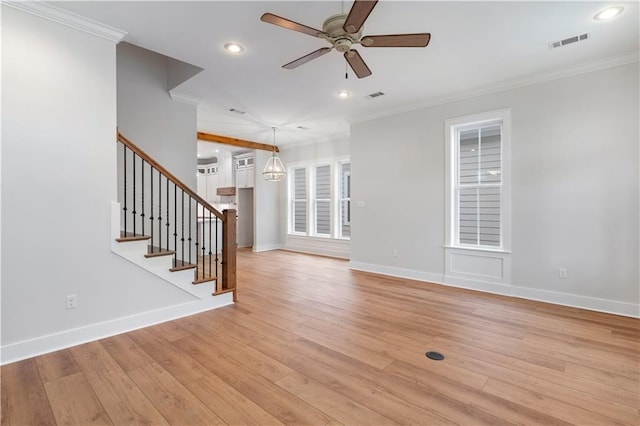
207, 181
225, 170
245, 171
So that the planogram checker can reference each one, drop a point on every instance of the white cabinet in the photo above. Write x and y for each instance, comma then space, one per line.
245, 171
207, 182
225, 171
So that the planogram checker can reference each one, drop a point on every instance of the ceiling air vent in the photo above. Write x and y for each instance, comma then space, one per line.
302, 128
374, 95
570, 40
237, 111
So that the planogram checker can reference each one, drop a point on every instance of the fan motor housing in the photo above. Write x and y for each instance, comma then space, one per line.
334, 27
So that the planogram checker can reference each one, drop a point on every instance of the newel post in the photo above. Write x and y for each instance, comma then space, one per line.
229, 252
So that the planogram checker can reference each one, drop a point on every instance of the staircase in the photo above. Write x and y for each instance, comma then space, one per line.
165, 227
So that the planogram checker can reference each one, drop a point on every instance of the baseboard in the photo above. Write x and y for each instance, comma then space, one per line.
584, 302
68, 338
556, 298
396, 272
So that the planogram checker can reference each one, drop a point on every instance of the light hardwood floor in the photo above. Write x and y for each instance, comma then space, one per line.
311, 342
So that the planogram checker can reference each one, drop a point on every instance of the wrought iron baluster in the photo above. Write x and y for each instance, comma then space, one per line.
167, 213
125, 190
151, 217
217, 250
210, 269
134, 193
175, 225
182, 236
159, 210
203, 244
189, 229
197, 244
142, 183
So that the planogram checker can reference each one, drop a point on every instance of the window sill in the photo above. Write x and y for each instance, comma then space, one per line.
480, 249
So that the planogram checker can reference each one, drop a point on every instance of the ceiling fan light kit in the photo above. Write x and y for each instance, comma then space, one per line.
343, 31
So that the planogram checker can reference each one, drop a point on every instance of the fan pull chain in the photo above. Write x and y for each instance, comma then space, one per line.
346, 72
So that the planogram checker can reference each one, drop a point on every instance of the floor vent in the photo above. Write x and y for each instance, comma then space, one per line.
436, 356
570, 40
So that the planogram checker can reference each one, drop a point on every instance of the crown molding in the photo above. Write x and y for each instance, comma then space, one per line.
185, 99
586, 67
70, 19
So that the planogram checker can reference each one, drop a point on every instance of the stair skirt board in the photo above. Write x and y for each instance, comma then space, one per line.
137, 252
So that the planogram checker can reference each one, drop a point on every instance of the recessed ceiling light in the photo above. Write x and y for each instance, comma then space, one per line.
234, 48
343, 94
608, 13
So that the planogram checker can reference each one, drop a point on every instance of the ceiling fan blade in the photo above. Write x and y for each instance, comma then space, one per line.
289, 24
357, 63
396, 40
358, 14
306, 58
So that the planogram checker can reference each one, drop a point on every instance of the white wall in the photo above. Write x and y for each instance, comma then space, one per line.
303, 154
575, 192
58, 182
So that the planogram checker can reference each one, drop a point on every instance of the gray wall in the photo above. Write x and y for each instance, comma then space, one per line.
575, 185
147, 116
58, 183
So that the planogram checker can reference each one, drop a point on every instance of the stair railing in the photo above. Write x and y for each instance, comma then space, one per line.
158, 205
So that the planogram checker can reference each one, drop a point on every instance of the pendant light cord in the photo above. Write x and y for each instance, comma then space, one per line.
274, 140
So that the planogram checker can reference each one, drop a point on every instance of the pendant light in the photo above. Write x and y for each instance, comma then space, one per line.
274, 171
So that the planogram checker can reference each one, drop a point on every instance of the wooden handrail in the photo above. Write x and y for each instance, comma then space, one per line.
146, 157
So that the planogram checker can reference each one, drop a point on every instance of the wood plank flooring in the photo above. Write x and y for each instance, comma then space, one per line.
311, 342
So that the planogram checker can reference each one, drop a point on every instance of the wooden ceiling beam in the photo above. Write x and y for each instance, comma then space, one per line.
209, 137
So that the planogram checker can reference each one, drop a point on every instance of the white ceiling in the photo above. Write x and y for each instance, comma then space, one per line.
474, 46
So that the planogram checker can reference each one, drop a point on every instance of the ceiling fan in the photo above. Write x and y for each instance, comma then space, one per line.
343, 31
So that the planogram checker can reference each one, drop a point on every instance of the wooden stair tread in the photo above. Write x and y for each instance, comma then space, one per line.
178, 266
130, 236
204, 280
218, 293
158, 251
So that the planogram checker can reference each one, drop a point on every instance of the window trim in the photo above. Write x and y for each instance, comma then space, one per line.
314, 200
310, 167
292, 200
451, 211
339, 200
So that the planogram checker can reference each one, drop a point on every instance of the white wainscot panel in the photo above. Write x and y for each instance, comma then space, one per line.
479, 269
477, 265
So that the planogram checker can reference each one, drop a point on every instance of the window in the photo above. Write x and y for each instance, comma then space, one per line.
326, 188
478, 213
322, 199
344, 200
299, 200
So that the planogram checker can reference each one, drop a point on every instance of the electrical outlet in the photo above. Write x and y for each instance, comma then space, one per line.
72, 301
394, 252
562, 273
